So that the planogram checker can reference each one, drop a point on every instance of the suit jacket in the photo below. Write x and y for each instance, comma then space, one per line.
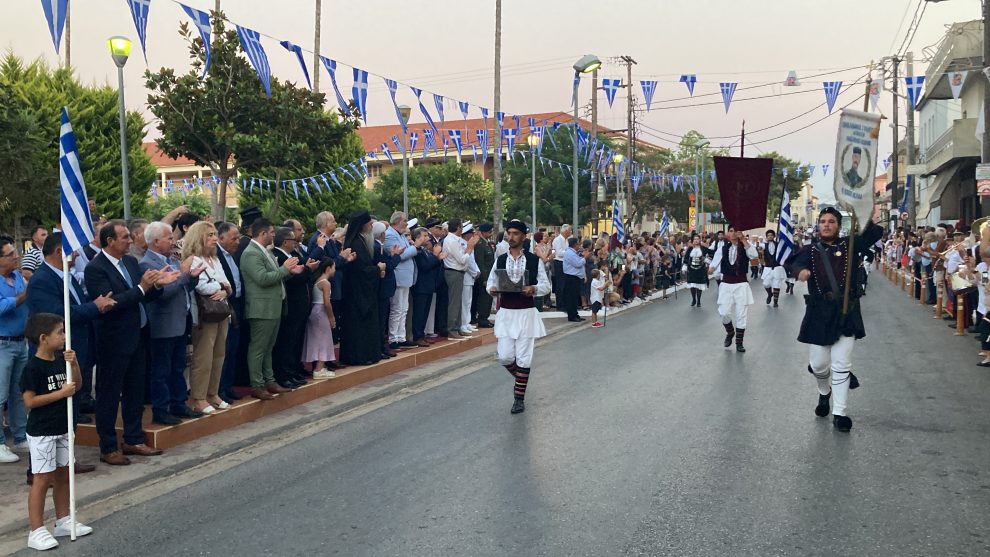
168, 314
484, 256
264, 293
428, 266
332, 250
387, 287
405, 271
120, 327
44, 295
236, 298
297, 287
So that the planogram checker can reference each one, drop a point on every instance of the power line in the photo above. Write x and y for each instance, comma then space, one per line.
907, 8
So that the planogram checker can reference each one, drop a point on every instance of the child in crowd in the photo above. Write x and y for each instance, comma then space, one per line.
45, 389
598, 286
318, 344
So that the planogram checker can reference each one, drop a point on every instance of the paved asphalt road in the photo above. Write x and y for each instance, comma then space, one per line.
643, 438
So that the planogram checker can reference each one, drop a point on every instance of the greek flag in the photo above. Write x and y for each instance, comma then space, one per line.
617, 227
689, 79
398, 144
360, 92
392, 88
251, 43
914, 84
832, 89
413, 140
429, 140
464, 109
55, 11
500, 116
665, 224
331, 66
728, 89
77, 224
388, 154
455, 136
785, 242
422, 108
483, 141
202, 22
824, 169
474, 150
611, 87
484, 115
649, 87
446, 144
139, 11
299, 56
510, 140
438, 102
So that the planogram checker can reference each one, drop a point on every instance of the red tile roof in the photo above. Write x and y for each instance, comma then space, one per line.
161, 160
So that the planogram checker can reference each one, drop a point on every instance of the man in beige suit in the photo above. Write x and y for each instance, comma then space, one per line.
265, 300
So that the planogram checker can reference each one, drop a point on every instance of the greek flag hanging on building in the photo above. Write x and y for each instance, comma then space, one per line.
689, 79
55, 11
77, 224
914, 84
422, 108
438, 102
251, 43
299, 56
331, 66
139, 12
649, 87
832, 89
728, 89
392, 87
202, 22
360, 92
455, 136
611, 87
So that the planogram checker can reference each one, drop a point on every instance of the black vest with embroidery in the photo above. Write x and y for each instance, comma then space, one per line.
770, 259
517, 300
734, 273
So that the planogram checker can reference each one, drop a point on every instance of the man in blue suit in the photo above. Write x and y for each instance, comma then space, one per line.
169, 321
405, 277
429, 259
44, 295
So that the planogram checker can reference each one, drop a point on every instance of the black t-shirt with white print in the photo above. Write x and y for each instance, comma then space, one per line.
43, 377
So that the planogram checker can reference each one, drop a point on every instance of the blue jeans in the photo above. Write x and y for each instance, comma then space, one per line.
168, 384
13, 358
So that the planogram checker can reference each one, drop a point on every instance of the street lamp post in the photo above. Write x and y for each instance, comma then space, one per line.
534, 141
404, 111
120, 49
587, 64
701, 181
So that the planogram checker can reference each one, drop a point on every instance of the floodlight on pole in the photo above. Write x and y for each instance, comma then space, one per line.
120, 50
587, 64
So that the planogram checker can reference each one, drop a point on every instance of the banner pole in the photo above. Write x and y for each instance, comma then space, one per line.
849, 262
66, 277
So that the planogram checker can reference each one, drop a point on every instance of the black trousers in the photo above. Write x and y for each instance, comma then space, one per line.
440, 325
287, 354
571, 295
420, 313
483, 299
120, 385
384, 306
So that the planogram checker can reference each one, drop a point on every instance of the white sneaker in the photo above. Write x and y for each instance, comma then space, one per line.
41, 539
6, 456
21, 447
324, 374
63, 527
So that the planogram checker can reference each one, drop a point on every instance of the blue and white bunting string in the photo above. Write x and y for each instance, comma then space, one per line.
689, 79
914, 84
422, 108
649, 88
299, 56
611, 87
55, 11
413, 140
392, 88
464, 109
388, 154
331, 66
438, 102
139, 12
728, 90
251, 43
201, 20
360, 92
832, 89
455, 136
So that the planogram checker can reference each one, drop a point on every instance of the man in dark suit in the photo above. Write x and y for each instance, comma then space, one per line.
429, 259
120, 341
228, 239
484, 254
386, 289
287, 353
440, 324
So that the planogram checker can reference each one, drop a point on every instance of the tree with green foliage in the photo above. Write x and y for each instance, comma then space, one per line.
445, 191
196, 202
35, 95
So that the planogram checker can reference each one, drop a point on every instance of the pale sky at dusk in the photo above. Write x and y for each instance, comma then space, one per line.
446, 46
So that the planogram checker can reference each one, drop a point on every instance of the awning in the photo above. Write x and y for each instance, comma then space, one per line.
942, 181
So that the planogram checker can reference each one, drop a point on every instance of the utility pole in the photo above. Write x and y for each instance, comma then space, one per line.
316, 47
594, 134
985, 155
894, 197
909, 155
497, 160
217, 6
869, 84
68, 35
629, 134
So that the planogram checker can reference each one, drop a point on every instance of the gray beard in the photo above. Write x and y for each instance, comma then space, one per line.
369, 242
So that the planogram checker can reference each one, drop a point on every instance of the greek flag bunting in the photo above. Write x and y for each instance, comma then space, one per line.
577, 83
483, 141
446, 144
202, 22
422, 108
139, 12
326, 182
510, 140
728, 89
455, 136
665, 224
824, 169
832, 89
689, 79
649, 87
464, 109
331, 66
251, 43
77, 224
392, 87
413, 140
500, 116
333, 177
785, 230
886, 163
914, 84
429, 142
360, 93
611, 87
388, 154
398, 144
474, 151
438, 102
55, 11
299, 56
484, 116
617, 227
518, 123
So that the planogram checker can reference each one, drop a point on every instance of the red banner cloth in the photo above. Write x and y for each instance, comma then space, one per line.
744, 186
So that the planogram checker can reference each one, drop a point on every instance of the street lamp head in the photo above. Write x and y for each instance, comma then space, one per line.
405, 111
617, 158
120, 50
533, 140
703, 143
587, 64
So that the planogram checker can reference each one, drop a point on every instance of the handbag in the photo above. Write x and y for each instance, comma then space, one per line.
210, 310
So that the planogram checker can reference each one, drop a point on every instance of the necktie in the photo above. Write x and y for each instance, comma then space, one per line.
130, 284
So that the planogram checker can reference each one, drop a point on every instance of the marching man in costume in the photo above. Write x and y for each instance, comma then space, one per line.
518, 323
830, 332
734, 294
696, 269
773, 273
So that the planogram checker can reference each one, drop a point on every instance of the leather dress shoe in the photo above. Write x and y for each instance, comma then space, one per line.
186, 412
392, 346
286, 384
84, 468
165, 419
408, 344
262, 394
386, 355
485, 325
115, 459
140, 450
276, 389
423, 343
390, 352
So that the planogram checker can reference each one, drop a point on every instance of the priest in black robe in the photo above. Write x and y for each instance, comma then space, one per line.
360, 342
